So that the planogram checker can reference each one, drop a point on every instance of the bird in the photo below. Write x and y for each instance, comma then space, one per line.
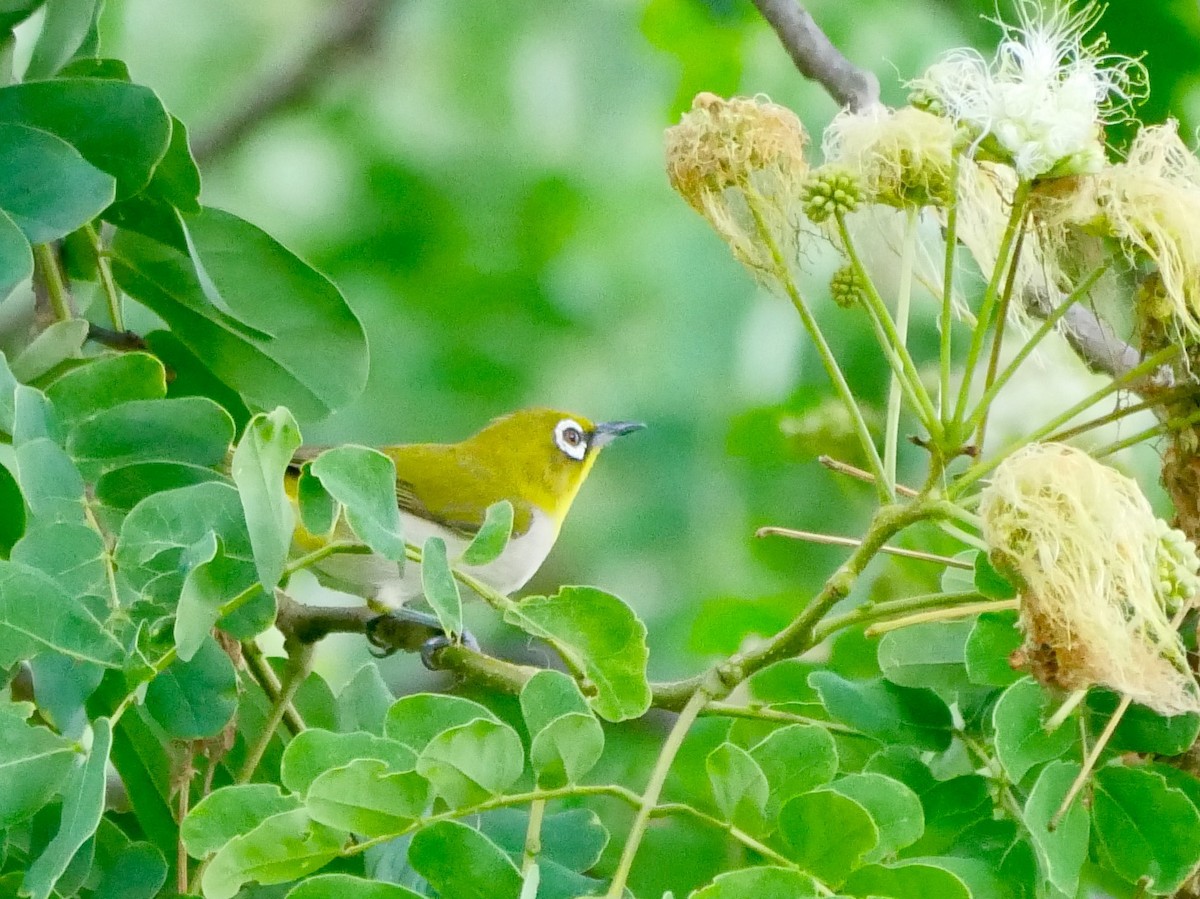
536, 458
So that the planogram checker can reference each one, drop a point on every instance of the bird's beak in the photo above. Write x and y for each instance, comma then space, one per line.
608, 431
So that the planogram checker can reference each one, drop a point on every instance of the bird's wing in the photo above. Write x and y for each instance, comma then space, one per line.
457, 496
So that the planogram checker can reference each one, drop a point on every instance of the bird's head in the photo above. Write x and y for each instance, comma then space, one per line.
546, 454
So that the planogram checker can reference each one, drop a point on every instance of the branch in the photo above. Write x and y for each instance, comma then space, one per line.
816, 57
348, 33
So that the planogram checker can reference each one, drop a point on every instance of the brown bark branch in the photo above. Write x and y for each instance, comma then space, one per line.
816, 57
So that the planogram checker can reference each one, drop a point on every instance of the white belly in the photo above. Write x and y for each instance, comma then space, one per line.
377, 578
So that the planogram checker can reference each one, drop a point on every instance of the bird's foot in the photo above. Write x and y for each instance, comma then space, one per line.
412, 631
431, 647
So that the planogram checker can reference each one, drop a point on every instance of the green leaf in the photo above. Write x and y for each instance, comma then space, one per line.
83, 805
51, 483
1142, 729
829, 834
125, 487
1021, 740
73, 555
64, 31
472, 762
952, 807
994, 637
59, 342
416, 719
8, 395
572, 842
364, 701
105, 382
260, 463
367, 798
886, 711
895, 809
761, 883
138, 872
62, 687
492, 536
439, 586
318, 510
597, 635
314, 751
363, 480
341, 886
14, 12
909, 879
990, 582
229, 812
192, 429
739, 786
161, 528
461, 863
193, 377
795, 759
48, 189
1061, 852
926, 655
254, 316
12, 512
202, 594
119, 128
36, 762
33, 416
566, 740
196, 698
284, 847
16, 256
1145, 827
36, 613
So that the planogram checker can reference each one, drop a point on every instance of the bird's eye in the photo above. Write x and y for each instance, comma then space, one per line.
571, 439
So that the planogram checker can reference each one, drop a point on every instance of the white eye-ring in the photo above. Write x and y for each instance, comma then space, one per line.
571, 439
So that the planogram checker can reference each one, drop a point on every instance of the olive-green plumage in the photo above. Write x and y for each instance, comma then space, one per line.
537, 459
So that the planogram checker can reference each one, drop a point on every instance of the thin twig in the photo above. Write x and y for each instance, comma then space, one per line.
833, 540
816, 57
859, 474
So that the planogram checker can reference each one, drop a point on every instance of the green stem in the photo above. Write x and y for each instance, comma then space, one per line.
982, 469
300, 659
264, 676
879, 611
766, 713
533, 836
998, 334
903, 302
1119, 413
47, 268
1015, 218
1047, 325
943, 614
947, 320
1162, 427
828, 359
107, 284
892, 345
681, 808
658, 777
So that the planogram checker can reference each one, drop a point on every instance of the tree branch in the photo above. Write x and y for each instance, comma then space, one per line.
349, 33
816, 57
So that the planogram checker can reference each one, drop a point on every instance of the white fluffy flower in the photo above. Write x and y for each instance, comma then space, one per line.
1045, 96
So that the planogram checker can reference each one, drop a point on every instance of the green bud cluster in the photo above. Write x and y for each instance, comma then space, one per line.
1177, 568
830, 190
846, 287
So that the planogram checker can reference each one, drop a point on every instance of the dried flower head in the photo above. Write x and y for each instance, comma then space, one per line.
1099, 576
735, 160
1150, 204
903, 157
1041, 103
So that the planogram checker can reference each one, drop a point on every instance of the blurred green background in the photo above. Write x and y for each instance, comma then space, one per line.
485, 183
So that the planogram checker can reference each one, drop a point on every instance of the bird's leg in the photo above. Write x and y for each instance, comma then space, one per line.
412, 631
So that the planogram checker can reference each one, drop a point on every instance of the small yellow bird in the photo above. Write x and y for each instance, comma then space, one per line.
537, 459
